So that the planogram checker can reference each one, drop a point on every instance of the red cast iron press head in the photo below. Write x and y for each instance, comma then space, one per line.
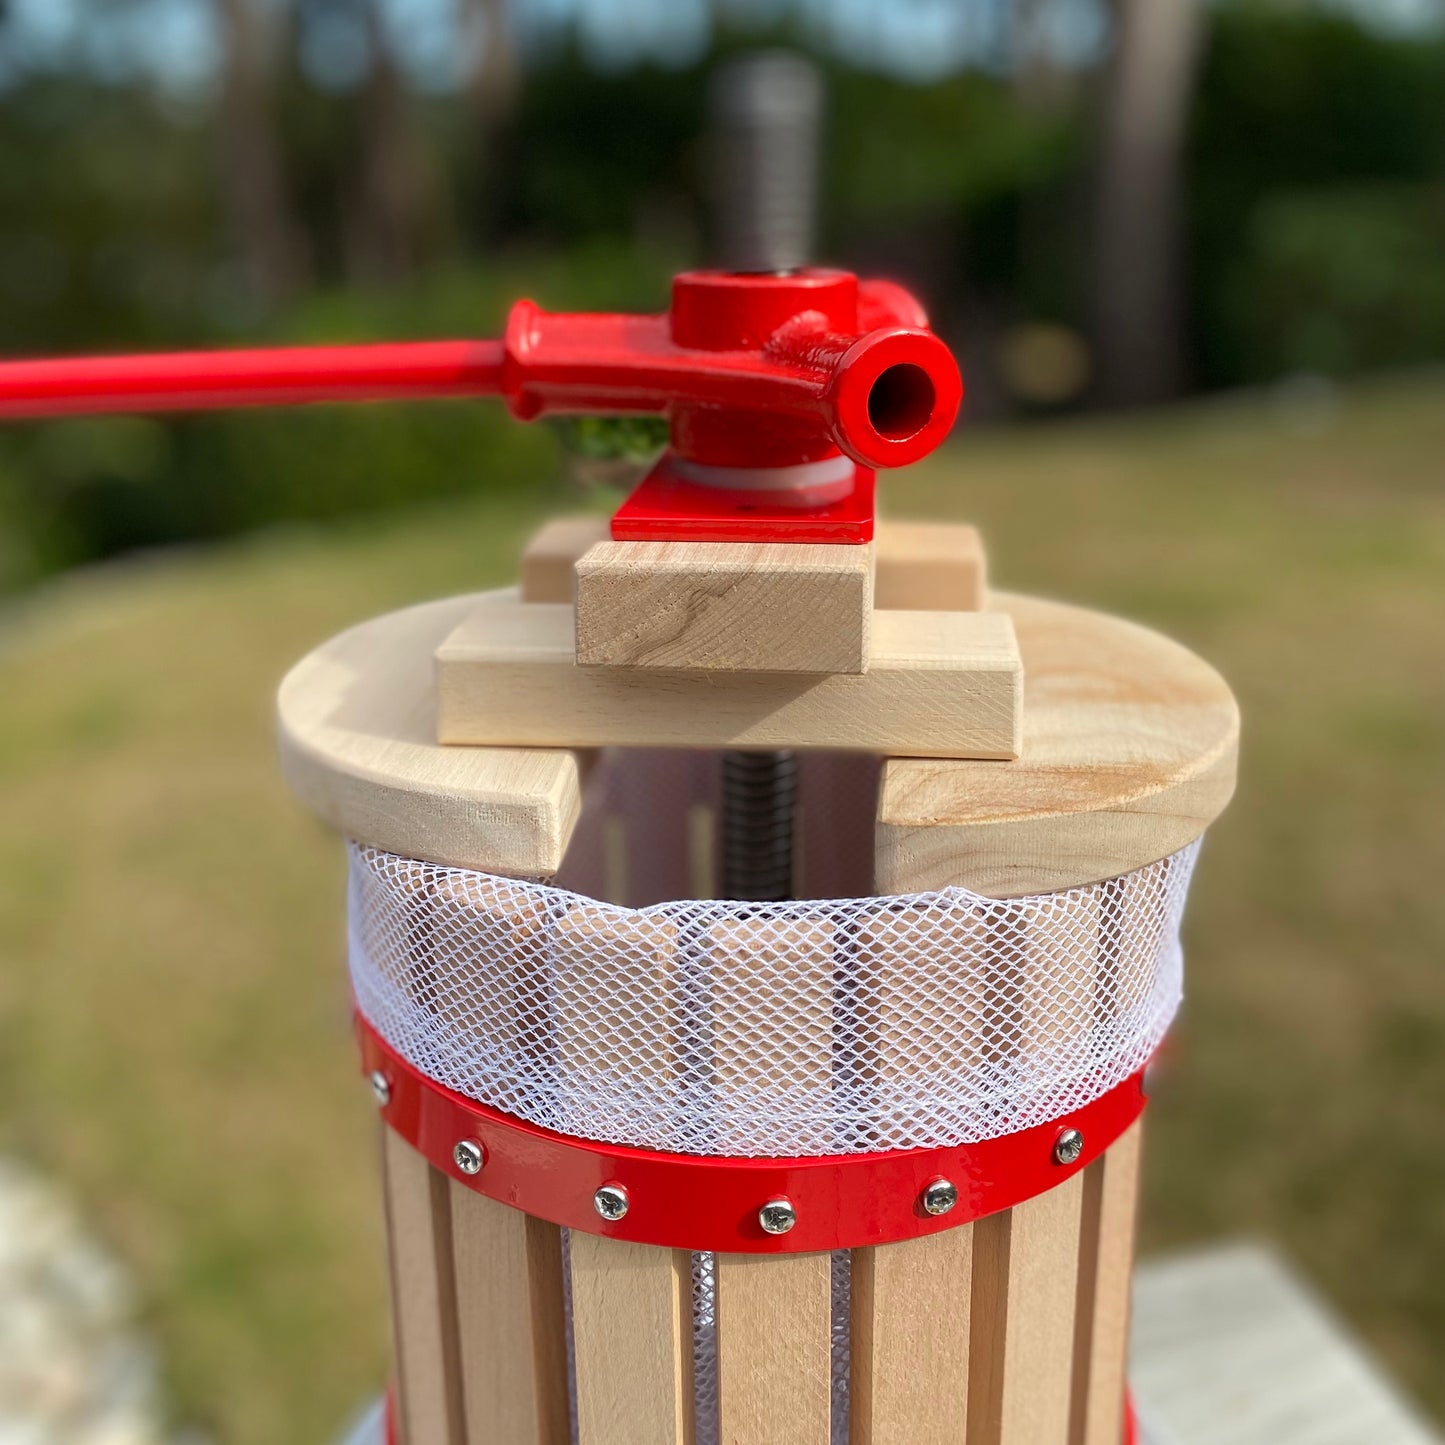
782, 392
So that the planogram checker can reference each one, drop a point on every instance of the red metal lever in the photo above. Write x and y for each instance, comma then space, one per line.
752, 371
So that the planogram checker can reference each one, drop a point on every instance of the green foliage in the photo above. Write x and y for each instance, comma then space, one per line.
1302, 119
1339, 281
901, 152
77, 490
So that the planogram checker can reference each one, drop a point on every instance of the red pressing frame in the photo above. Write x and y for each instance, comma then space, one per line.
762, 372
694, 1202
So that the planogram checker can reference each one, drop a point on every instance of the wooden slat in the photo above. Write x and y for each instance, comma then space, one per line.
1101, 1345
619, 1025
771, 985
774, 1348
836, 807
510, 1326
908, 1383
725, 606
918, 1017
632, 1341
1025, 1279
549, 558
423, 1302
943, 684
930, 567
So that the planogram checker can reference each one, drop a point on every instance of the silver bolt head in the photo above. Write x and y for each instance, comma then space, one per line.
469, 1156
611, 1202
777, 1216
940, 1197
1068, 1146
380, 1089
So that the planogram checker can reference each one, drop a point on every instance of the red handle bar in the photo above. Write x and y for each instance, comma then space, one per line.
752, 371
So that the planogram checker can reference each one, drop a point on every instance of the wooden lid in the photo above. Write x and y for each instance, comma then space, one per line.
1130, 744
1129, 753
358, 745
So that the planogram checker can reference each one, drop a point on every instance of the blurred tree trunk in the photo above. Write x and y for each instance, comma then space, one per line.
267, 235
393, 209
1136, 262
497, 83
494, 94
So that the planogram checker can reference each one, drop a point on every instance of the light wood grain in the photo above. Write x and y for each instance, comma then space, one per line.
908, 1383
918, 1019
423, 1302
1129, 750
725, 606
771, 990
939, 684
1025, 1280
632, 1339
358, 746
551, 555
620, 1026
510, 1326
774, 1348
930, 567
1106, 1263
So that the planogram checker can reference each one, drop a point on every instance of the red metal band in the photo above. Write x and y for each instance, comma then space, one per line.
685, 1201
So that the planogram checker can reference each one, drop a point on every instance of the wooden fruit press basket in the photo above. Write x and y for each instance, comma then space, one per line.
759, 929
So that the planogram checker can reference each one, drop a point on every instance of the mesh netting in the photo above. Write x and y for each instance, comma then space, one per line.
722, 1028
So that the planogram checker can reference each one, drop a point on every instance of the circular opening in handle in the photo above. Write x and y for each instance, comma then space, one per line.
901, 401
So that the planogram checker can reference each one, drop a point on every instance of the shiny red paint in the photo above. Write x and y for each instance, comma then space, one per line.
705, 1203
752, 370
664, 509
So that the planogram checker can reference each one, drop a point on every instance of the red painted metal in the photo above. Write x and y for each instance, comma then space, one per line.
213, 380
752, 370
683, 1201
665, 509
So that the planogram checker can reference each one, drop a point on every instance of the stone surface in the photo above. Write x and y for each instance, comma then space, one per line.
74, 1370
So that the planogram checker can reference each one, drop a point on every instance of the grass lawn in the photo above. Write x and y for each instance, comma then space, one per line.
173, 1033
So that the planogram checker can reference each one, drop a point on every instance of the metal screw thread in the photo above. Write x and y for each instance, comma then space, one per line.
759, 805
767, 110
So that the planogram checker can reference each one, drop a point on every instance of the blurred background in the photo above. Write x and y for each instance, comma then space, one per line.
1192, 257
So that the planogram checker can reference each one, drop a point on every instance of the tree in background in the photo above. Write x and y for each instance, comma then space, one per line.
1137, 293
267, 234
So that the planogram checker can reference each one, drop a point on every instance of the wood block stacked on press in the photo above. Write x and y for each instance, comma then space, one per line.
939, 685
725, 606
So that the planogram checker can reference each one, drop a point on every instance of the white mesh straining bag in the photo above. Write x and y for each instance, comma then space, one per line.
723, 1028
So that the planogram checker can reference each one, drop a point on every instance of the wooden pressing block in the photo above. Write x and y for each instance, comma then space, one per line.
1130, 745
550, 556
725, 606
940, 685
930, 567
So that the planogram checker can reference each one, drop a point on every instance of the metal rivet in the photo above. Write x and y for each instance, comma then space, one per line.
777, 1216
940, 1197
1068, 1146
469, 1157
611, 1202
381, 1089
